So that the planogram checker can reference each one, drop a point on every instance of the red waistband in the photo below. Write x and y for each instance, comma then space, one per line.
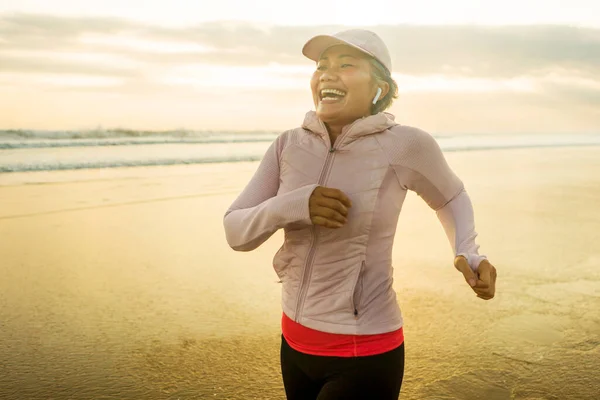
310, 341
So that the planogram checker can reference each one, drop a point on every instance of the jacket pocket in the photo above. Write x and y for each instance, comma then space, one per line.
357, 290
281, 264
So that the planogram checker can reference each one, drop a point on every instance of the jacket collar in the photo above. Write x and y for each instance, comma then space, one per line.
361, 127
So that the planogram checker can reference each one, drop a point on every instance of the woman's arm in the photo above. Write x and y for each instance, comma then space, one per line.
457, 218
258, 212
421, 167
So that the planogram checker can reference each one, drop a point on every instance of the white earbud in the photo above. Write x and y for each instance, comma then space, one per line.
377, 95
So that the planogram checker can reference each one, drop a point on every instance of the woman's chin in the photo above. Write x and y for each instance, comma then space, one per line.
329, 112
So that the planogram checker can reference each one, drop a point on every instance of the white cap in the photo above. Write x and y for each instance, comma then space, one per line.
366, 41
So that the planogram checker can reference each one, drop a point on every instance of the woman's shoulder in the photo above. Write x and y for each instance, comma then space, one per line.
408, 139
289, 137
297, 131
407, 132
292, 136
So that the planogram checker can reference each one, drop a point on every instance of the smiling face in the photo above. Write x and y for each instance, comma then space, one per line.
343, 87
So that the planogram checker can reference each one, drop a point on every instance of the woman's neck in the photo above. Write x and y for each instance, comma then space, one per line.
335, 128
334, 131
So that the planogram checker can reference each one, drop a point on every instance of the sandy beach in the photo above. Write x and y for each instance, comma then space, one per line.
119, 284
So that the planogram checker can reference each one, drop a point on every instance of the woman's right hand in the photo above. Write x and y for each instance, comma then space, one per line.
329, 207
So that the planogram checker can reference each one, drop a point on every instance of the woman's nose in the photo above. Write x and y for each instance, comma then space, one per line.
328, 75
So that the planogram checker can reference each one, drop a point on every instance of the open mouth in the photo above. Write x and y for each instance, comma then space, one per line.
331, 95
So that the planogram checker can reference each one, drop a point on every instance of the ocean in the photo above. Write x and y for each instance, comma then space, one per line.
31, 150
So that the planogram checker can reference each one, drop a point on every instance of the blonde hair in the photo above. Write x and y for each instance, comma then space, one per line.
381, 73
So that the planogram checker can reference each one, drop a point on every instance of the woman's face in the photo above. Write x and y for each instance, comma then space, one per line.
342, 85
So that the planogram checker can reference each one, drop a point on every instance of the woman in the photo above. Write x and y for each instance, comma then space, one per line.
336, 186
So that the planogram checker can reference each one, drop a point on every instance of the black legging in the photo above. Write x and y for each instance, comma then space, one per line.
308, 377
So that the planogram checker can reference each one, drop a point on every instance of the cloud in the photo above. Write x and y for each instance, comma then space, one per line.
30, 28
561, 64
453, 51
506, 51
38, 65
585, 95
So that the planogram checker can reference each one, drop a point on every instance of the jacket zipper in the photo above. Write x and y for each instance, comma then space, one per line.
311, 253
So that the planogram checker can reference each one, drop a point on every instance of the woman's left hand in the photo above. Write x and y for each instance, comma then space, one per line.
483, 282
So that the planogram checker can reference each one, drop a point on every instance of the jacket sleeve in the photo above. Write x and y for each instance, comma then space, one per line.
259, 211
457, 218
421, 167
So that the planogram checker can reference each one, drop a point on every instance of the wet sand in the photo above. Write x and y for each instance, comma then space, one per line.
118, 284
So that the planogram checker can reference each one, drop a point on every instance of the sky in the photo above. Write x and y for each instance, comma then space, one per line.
466, 66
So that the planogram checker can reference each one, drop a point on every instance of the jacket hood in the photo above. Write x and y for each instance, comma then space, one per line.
361, 127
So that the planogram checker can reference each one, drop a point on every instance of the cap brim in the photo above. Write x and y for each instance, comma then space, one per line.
318, 44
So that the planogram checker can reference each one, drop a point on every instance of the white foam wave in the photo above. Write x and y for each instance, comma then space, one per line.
144, 153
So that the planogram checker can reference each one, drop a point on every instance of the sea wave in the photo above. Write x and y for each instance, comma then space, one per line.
32, 144
174, 153
120, 133
56, 166
26, 139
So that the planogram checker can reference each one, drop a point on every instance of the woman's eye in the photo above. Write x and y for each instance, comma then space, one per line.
324, 67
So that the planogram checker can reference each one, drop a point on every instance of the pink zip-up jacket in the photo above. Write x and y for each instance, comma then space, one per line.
340, 280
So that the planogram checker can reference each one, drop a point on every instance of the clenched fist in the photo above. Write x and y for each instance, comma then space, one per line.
483, 282
328, 207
